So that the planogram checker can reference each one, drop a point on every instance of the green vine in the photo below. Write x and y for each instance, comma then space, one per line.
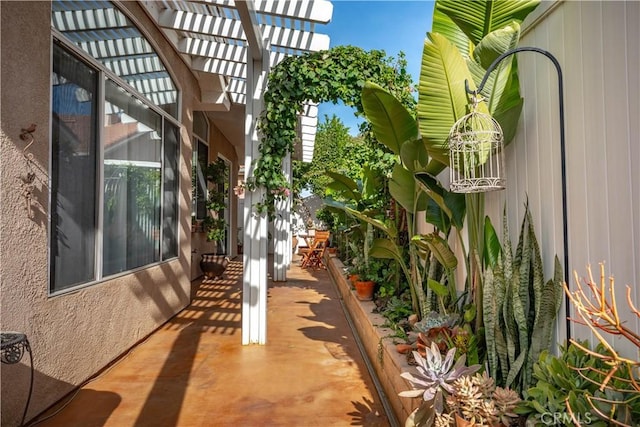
338, 74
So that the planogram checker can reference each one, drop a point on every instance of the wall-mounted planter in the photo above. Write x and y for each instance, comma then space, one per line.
386, 361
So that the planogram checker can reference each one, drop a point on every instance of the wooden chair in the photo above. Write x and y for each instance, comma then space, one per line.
314, 256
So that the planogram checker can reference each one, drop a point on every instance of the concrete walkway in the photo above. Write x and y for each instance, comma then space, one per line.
194, 371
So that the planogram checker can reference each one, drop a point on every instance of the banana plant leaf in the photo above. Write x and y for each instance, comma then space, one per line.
442, 24
402, 187
414, 155
437, 217
453, 204
502, 89
344, 186
439, 247
371, 181
391, 122
388, 249
385, 248
435, 167
388, 229
443, 97
478, 18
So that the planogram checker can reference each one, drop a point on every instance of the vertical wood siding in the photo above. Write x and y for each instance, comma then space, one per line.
598, 47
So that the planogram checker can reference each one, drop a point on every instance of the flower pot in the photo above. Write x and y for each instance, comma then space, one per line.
460, 422
213, 265
352, 279
364, 290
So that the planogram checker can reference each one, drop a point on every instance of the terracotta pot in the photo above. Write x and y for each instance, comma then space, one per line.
460, 422
403, 348
364, 290
353, 278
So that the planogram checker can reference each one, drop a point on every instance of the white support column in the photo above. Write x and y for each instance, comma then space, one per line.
281, 226
254, 282
288, 254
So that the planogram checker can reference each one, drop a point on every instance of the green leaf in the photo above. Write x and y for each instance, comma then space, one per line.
345, 186
452, 204
389, 230
392, 123
502, 88
442, 24
490, 318
384, 248
402, 188
437, 217
437, 287
470, 313
414, 156
443, 97
439, 248
478, 18
492, 248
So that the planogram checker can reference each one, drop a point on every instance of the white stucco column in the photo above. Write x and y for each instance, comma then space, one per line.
254, 282
281, 226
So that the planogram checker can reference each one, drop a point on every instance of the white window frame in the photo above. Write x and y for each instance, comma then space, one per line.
103, 74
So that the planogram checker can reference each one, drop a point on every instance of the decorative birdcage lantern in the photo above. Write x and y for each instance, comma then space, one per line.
476, 155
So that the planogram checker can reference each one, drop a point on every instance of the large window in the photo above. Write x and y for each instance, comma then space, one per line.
73, 171
200, 162
114, 169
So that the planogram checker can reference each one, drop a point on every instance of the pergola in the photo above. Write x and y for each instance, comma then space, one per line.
231, 46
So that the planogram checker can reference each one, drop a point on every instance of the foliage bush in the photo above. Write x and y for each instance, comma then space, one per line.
557, 384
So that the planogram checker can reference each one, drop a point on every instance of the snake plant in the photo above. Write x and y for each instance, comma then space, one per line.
520, 308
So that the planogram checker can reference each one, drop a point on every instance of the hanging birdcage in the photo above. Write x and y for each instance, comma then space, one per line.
476, 155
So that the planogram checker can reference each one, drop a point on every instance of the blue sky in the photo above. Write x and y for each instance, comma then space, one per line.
390, 25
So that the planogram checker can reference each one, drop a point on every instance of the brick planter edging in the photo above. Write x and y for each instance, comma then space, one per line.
386, 361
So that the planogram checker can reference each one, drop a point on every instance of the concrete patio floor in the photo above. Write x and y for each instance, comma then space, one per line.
194, 371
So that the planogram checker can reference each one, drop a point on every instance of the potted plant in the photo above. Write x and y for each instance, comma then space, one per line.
365, 286
369, 274
214, 225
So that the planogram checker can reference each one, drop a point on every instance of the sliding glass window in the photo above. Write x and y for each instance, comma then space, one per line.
115, 149
74, 170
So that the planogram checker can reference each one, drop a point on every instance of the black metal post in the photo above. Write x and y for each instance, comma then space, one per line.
565, 233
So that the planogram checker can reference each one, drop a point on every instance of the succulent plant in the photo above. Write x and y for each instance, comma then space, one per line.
444, 420
435, 320
436, 375
470, 403
506, 401
477, 400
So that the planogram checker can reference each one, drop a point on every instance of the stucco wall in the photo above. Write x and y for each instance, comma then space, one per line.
76, 334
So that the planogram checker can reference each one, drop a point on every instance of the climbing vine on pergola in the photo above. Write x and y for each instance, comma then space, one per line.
338, 74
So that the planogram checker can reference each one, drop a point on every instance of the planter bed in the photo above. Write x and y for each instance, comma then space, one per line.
385, 360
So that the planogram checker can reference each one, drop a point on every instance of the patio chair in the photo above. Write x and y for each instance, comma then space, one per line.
314, 256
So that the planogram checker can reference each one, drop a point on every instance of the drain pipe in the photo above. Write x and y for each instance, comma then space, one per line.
391, 416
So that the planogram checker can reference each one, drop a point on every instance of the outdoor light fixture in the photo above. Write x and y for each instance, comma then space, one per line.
479, 137
476, 155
